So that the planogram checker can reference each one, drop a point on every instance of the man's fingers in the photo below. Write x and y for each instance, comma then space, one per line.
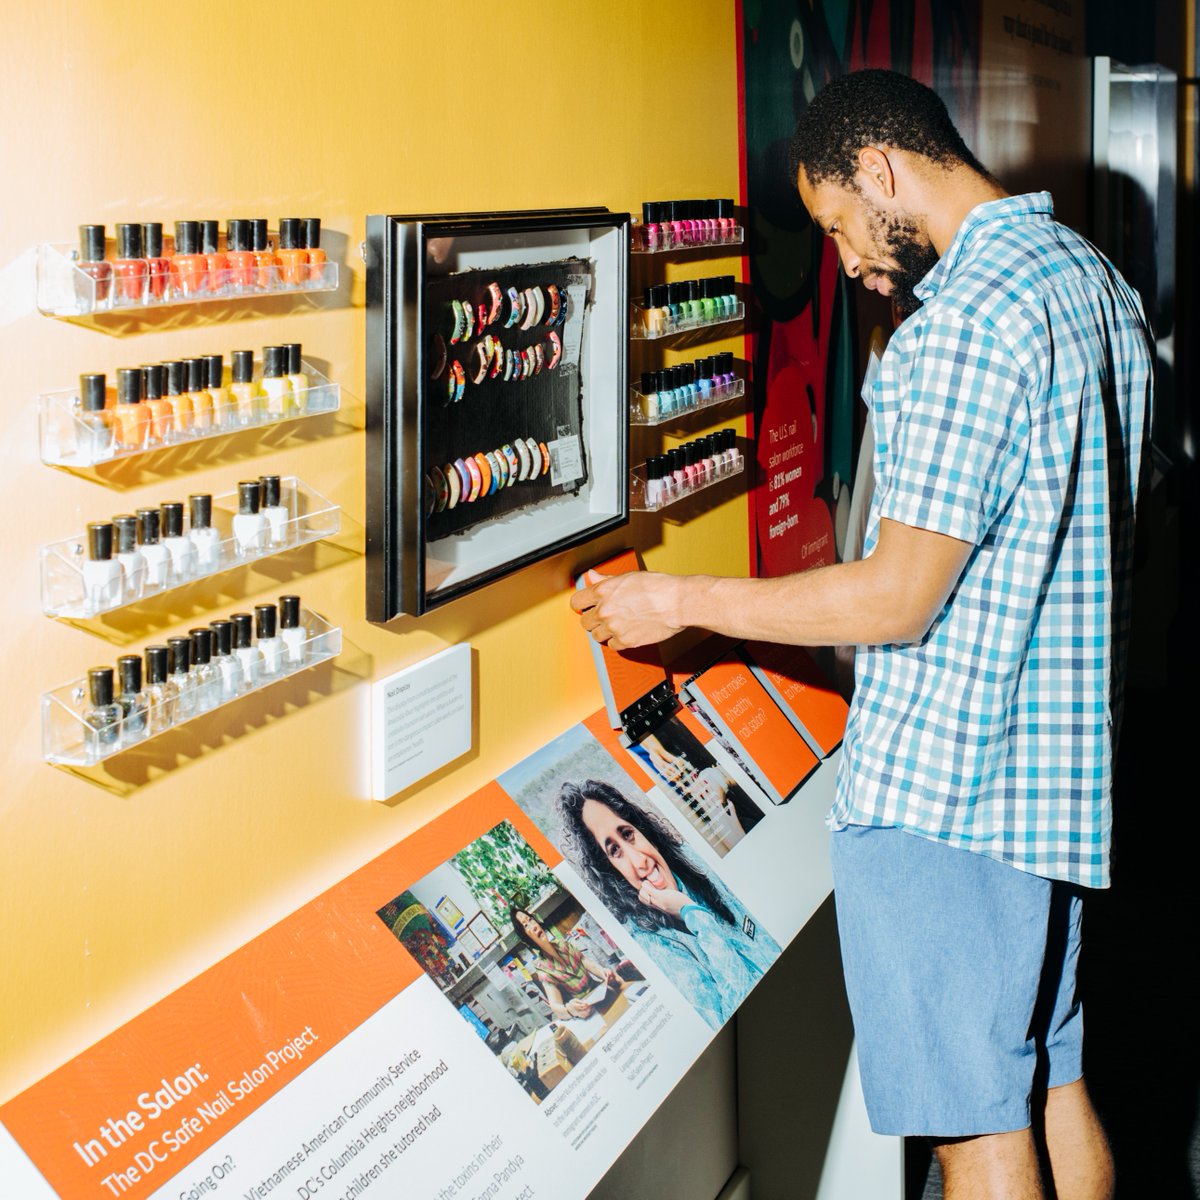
584, 599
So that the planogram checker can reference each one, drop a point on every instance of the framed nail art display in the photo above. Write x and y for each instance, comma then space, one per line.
497, 383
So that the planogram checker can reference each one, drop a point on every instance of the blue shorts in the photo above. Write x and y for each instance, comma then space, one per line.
961, 976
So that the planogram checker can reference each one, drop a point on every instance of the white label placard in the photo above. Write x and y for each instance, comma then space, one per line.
420, 720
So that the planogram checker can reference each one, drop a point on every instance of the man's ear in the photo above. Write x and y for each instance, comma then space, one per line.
876, 167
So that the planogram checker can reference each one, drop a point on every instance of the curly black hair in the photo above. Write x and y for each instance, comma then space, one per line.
588, 857
873, 108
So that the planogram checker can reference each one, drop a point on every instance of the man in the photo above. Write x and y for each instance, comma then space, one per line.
973, 798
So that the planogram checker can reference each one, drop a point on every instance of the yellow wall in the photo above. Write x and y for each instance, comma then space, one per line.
111, 896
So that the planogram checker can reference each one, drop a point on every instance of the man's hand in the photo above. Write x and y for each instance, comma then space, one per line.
630, 610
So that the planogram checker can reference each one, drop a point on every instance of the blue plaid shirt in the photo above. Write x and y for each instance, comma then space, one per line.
1009, 412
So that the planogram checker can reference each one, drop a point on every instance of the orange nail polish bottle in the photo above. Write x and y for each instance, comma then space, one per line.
202, 402
161, 414
240, 256
91, 263
312, 243
189, 268
131, 418
267, 276
158, 268
180, 401
293, 258
218, 264
130, 268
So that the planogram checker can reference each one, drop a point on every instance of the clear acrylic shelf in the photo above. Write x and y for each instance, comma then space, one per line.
644, 497
69, 437
69, 738
68, 288
67, 590
641, 243
642, 413
651, 324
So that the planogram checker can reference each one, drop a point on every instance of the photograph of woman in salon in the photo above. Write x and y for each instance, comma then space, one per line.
566, 976
688, 921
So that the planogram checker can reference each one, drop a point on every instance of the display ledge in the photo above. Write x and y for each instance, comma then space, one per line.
649, 324
640, 410
70, 437
68, 288
646, 495
640, 242
70, 738
74, 587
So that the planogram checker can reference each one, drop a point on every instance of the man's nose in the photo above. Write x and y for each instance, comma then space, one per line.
850, 261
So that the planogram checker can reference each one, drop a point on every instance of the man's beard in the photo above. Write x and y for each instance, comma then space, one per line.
901, 240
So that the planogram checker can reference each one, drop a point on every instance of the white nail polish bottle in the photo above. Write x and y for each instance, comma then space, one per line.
133, 565
275, 511
270, 644
178, 544
206, 541
206, 676
156, 556
294, 635
249, 525
232, 681
101, 572
245, 651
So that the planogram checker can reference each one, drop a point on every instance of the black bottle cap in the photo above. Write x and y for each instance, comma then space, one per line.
724, 208
91, 243
264, 621
289, 233
152, 238
100, 685
210, 237
202, 646
181, 654
237, 234
100, 540
149, 526
176, 372
650, 299
258, 233
648, 388
157, 663
249, 496
130, 668
693, 289
92, 392
654, 467
126, 527
270, 490
216, 369
689, 373
200, 510
649, 212
725, 359
222, 636
293, 357
129, 241
274, 362
312, 233
243, 626
187, 237
673, 293
129, 385
152, 381
242, 364
197, 374
172, 518
289, 612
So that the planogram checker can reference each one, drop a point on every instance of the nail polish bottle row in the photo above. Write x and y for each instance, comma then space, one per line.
199, 263
681, 224
673, 391
192, 674
690, 467
688, 304
161, 404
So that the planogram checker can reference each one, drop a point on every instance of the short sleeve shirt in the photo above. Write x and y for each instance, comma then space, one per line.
1009, 412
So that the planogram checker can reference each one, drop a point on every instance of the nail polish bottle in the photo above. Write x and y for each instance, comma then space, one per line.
206, 675
224, 410
161, 692
132, 700
726, 220
130, 267
293, 633
216, 263
275, 511
729, 299
654, 318
293, 258
709, 308
704, 383
232, 680
158, 268
296, 378
692, 227
182, 678
133, 565
179, 545
206, 541
276, 390
649, 397
96, 293
101, 572
733, 456
179, 400
266, 638
674, 223
668, 488
250, 529
653, 482
676, 464
245, 651
265, 263
650, 225
197, 390
240, 256
316, 256
162, 416
156, 556
102, 719
131, 417
189, 268
243, 391
725, 369
93, 425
